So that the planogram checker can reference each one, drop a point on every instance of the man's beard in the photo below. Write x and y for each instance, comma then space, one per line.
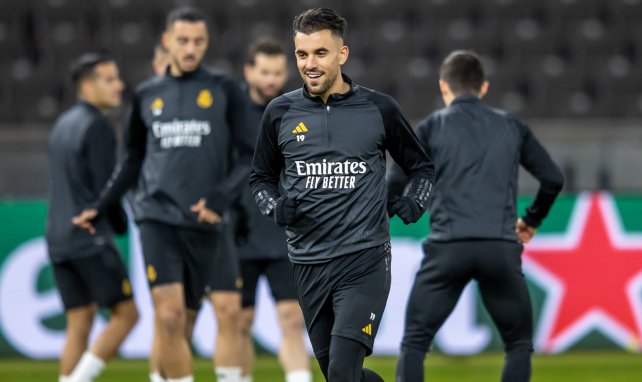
324, 86
266, 98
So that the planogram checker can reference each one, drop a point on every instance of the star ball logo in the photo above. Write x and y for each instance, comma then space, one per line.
592, 275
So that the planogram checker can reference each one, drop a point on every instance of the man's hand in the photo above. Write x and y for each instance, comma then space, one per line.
524, 231
285, 211
205, 215
407, 209
83, 220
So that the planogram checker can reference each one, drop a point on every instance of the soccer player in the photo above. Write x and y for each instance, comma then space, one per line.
264, 251
475, 233
160, 62
319, 170
88, 269
180, 134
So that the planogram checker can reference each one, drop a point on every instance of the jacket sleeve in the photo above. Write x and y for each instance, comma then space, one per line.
538, 162
268, 161
228, 191
126, 175
397, 178
100, 153
405, 149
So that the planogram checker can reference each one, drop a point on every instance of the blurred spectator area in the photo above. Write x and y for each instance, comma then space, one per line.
545, 58
571, 68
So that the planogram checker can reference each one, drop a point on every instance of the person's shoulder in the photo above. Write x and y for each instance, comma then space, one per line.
283, 102
216, 75
382, 100
150, 85
507, 116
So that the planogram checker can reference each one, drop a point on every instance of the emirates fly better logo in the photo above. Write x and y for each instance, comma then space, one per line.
330, 174
592, 275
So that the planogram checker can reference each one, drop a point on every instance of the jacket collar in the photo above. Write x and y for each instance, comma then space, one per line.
334, 96
466, 98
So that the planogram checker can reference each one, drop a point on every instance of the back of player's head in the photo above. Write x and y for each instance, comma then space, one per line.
266, 45
189, 14
463, 71
317, 19
84, 67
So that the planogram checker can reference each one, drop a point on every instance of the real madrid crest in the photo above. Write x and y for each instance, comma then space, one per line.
204, 99
157, 107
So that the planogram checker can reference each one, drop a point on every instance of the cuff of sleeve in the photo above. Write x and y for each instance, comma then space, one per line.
218, 202
531, 221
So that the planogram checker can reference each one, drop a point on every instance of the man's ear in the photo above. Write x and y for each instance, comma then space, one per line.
484, 89
444, 88
343, 54
247, 72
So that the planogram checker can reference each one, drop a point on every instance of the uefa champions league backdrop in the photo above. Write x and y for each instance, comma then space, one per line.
584, 271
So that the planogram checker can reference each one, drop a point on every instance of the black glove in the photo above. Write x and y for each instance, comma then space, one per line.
407, 209
285, 211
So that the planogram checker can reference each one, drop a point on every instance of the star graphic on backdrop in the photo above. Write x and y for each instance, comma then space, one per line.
593, 278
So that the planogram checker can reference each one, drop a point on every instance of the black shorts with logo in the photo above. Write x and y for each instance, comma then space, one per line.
344, 297
176, 254
225, 275
278, 273
100, 279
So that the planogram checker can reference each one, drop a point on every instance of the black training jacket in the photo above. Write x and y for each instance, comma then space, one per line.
266, 240
179, 138
82, 155
331, 159
477, 151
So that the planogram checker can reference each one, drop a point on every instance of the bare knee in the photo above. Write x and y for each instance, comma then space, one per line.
126, 313
247, 318
290, 318
80, 321
227, 306
171, 320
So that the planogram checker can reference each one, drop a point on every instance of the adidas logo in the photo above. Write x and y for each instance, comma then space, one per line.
300, 129
367, 329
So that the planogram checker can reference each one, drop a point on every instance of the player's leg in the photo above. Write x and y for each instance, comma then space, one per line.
359, 300
314, 288
505, 295
250, 271
292, 353
156, 372
110, 286
444, 273
164, 252
79, 311
225, 284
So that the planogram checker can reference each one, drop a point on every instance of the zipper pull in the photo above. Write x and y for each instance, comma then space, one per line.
328, 108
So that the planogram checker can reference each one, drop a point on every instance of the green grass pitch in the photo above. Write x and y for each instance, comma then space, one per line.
568, 367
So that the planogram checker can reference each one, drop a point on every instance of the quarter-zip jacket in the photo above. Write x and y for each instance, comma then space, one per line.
179, 138
331, 159
82, 155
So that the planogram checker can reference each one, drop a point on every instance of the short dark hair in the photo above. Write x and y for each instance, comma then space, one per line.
463, 71
266, 45
317, 19
186, 13
84, 67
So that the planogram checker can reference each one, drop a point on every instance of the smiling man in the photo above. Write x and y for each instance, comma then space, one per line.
337, 231
181, 131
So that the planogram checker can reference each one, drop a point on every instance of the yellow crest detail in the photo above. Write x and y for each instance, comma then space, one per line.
204, 99
151, 273
300, 128
239, 283
157, 104
367, 329
126, 287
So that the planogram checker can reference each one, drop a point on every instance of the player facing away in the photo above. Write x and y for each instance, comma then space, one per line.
261, 244
180, 133
88, 269
475, 233
319, 170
